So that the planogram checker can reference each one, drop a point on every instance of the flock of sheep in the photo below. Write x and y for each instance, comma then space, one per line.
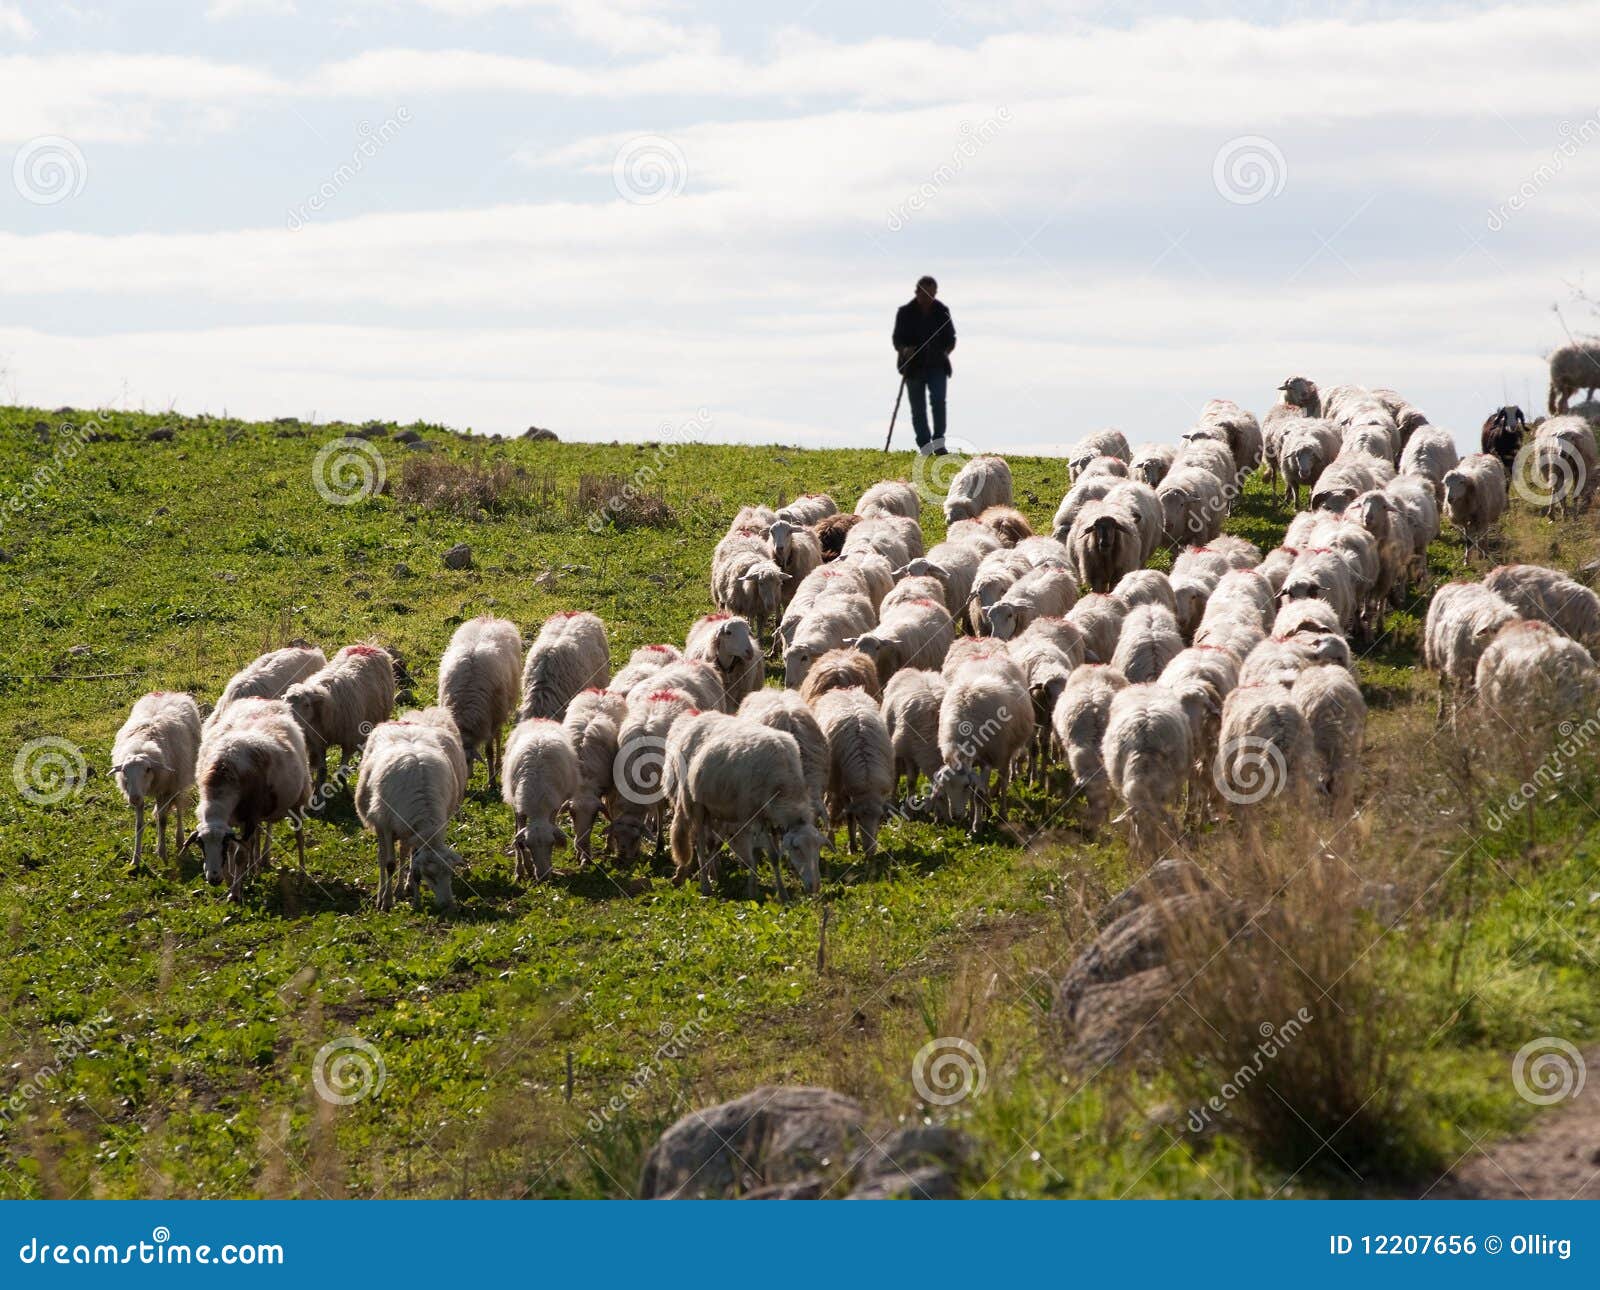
921, 680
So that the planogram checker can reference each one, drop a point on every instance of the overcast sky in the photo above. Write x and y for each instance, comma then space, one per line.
605, 216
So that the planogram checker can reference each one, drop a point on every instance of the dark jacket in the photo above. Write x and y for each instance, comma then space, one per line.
930, 333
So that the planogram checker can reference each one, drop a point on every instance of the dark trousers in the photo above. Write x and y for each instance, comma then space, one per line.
925, 388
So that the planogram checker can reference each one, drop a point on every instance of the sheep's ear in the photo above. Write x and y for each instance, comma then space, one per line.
116, 767
189, 842
850, 641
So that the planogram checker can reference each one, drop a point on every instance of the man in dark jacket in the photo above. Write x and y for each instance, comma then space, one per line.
923, 339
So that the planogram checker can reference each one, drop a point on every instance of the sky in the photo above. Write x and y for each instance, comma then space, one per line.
620, 219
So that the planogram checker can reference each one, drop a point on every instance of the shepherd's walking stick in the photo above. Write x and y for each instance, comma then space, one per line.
894, 414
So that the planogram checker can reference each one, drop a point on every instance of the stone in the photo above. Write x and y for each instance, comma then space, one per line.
408, 436
458, 557
540, 435
1173, 876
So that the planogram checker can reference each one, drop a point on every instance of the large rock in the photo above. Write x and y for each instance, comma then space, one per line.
798, 1143
458, 557
540, 435
1173, 876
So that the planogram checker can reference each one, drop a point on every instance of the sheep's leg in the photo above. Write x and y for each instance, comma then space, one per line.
299, 827
385, 870
138, 838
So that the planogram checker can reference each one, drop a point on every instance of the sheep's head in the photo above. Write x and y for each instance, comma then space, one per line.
216, 842
434, 865
1335, 499
1148, 470
1104, 533
1301, 393
535, 841
135, 772
954, 791
735, 646
1304, 461
1457, 490
626, 834
781, 536
1369, 511
763, 581
959, 508
1004, 620
801, 845
797, 661
1174, 513
309, 703
922, 567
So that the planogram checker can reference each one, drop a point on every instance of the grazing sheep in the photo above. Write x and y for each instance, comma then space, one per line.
1430, 453
1551, 596
412, 780
996, 575
842, 669
1573, 367
1147, 756
1502, 434
1151, 463
1264, 748
788, 711
914, 633
890, 497
541, 776
478, 685
1143, 504
1367, 440
1048, 651
1475, 496
827, 625
981, 483
1078, 727
831, 533
1193, 505
725, 641
1099, 618
860, 765
153, 759
910, 707
268, 677
796, 551
338, 705
569, 655
644, 663
252, 771
1098, 443
1006, 523
1533, 677
593, 724
746, 580
1276, 424
808, 509
1149, 640
637, 772
1463, 618
985, 724
1201, 677
1275, 566
1146, 587
1044, 592
1336, 716
1564, 463
1308, 448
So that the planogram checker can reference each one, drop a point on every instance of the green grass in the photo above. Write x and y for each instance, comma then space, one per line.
140, 565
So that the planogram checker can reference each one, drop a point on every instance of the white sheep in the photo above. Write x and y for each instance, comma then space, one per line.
479, 684
1244, 594
1099, 619
808, 509
1193, 505
1348, 477
1320, 573
725, 641
1264, 748
1418, 499
541, 776
1532, 677
153, 759
954, 564
1550, 595
1563, 463
915, 633
831, 580
985, 724
860, 765
890, 497
268, 677
569, 655
981, 483
787, 711
1475, 496
827, 625
1151, 463
1045, 592
593, 723
1146, 587
1078, 727
338, 705
697, 679
1080, 495
412, 781
1573, 367
1147, 756
1382, 516
1308, 448
637, 772
1431, 453
746, 580
1336, 716
877, 573
796, 551
910, 708
1098, 443
1201, 677
1048, 651
996, 575
1463, 617
643, 663
1149, 640
754, 520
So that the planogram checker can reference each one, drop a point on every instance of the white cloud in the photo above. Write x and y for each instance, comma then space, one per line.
14, 23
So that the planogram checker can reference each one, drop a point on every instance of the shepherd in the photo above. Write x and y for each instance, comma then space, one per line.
924, 335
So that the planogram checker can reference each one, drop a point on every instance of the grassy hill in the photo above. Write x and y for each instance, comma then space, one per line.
159, 1042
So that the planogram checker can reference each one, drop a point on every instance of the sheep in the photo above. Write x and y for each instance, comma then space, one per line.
822, 584
997, 573
909, 588
1106, 544
1336, 717
153, 759
1078, 726
1143, 504
449, 735
890, 497
860, 765
1237, 634
1275, 566
1047, 651
954, 564
827, 625
1264, 747
479, 685
1380, 515
725, 641
1462, 619
1080, 495
1208, 454
831, 533
877, 574
1201, 678
1193, 505
916, 633
1322, 574
1372, 441
252, 771
1006, 523
412, 781
981, 649
1475, 496
1099, 618
1308, 448
788, 711
1147, 755
972, 533
1347, 478
1533, 677
1243, 432
910, 707
637, 772
699, 680
1190, 591
1276, 424
1418, 500
1502, 434
897, 540
842, 669
754, 520
1278, 660
746, 580
1145, 587
1573, 367
796, 551
1151, 463
268, 677
1047, 592
339, 704
985, 723
644, 662
541, 776
981, 483
1430, 453
808, 509
1243, 594
1098, 443
593, 724
1149, 640
1563, 464
1312, 617
1043, 552
745, 782
1113, 466
569, 655
1550, 595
